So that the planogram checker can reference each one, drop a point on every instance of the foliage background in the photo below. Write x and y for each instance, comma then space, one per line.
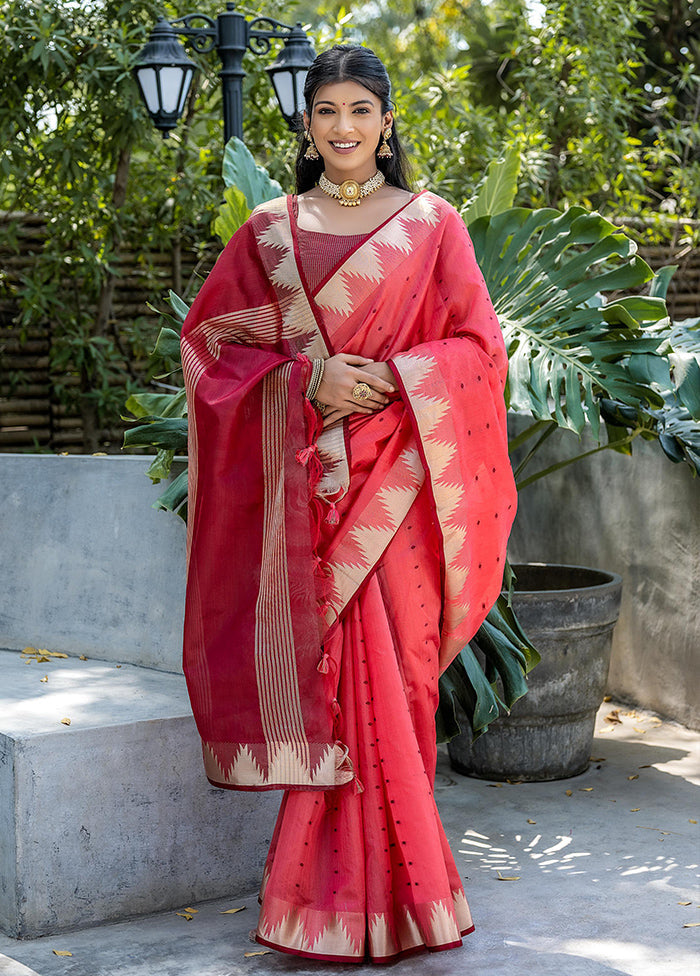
602, 100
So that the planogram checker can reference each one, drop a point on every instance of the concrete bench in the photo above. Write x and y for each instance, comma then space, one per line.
111, 816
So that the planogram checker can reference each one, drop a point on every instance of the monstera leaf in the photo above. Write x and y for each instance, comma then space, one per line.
546, 272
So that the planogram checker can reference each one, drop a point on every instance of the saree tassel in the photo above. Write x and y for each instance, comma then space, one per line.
335, 708
333, 517
326, 664
359, 788
305, 454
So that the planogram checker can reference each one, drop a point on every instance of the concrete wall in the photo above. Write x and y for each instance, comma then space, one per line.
639, 517
89, 567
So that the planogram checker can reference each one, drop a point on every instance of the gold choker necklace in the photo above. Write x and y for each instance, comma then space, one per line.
350, 192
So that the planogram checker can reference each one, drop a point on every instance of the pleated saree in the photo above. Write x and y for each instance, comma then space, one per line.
333, 574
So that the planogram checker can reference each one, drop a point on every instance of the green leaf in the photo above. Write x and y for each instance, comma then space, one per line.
233, 212
174, 498
167, 345
160, 466
662, 279
498, 189
171, 434
178, 305
687, 376
545, 272
241, 170
157, 404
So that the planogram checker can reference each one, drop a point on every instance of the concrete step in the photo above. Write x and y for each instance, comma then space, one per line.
10, 967
111, 816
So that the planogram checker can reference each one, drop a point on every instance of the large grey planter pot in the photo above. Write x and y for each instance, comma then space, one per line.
569, 613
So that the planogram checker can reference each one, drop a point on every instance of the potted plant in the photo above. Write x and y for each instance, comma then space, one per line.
582, 355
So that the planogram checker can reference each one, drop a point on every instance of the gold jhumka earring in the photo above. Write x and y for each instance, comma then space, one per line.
384, 151
312, 152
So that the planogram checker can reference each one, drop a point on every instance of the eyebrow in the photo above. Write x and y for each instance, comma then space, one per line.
360, 101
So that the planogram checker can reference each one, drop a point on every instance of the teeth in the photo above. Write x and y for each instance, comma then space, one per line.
344, 145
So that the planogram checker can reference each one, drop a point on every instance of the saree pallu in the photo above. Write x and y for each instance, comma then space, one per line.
332, 575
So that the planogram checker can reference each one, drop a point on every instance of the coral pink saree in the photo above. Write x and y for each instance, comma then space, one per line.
334, 574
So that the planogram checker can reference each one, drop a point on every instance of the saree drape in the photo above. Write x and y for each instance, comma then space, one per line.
332, 575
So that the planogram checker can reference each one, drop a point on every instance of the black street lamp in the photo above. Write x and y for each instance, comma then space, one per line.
164, 72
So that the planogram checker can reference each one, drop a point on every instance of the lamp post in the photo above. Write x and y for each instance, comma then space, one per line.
164, 73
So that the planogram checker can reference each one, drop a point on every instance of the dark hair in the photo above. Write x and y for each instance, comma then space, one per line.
350, 62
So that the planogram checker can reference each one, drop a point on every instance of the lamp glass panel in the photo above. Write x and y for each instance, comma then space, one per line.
149, 86
284, 88
170, 86
300, 79
186, 82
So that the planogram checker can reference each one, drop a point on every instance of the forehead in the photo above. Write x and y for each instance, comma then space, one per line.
345, 92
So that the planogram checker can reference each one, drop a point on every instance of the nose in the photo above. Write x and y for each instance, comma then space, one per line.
343, 122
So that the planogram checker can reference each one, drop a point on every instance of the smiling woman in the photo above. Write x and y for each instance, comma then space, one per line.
344, 369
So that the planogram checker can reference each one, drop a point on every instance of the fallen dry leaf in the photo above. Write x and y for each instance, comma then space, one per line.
82, 657
192, 910
495, 785
635, 809
690, 925
658, 829
641, 731
186, 915
44, 679
569, 792
61, 952
596, 758
607, 698
514, 782
632, 714
645, 766
685, 903
532, 821
692, 821
232, 911
634, 776
614, 717
118, 665
508, 877
258, 952
65, 721
585, 789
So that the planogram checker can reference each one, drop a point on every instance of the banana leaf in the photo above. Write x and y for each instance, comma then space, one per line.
489, 675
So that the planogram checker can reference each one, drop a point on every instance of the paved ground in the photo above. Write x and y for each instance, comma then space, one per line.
587, 884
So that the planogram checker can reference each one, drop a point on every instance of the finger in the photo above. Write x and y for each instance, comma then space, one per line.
357, 406
381, 386
353, 360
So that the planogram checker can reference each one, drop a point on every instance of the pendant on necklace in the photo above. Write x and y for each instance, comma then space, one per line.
349, 193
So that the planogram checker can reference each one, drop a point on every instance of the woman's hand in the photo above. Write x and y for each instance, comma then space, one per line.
341, 375
380, 370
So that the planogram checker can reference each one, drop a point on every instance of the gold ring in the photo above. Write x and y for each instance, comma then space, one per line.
361, 391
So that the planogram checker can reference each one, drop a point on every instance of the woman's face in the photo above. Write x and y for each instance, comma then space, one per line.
347, 123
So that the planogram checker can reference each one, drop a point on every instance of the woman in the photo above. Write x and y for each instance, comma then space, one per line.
350, 502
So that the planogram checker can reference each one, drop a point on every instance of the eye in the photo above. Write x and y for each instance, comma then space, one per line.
325, 111
362, 110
